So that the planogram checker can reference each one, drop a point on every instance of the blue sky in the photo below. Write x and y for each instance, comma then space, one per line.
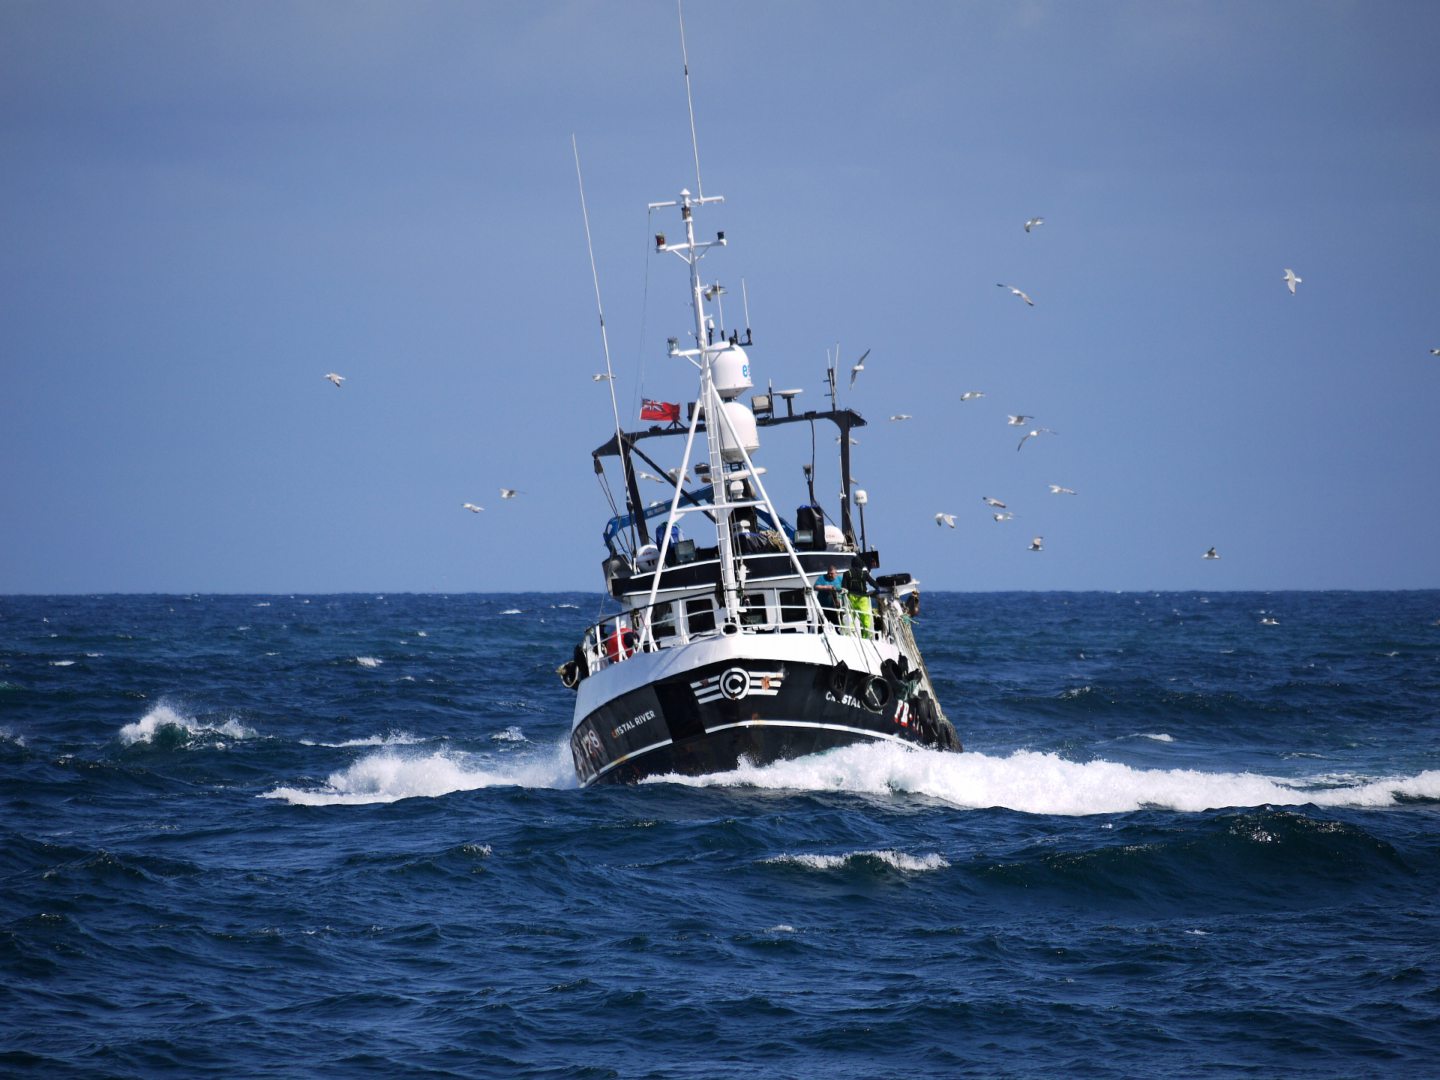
207, 207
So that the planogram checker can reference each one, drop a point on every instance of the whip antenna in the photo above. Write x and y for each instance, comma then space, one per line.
689, 101
604, 337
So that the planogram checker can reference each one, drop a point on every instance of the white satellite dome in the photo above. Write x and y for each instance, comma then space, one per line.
730, 368
742, 423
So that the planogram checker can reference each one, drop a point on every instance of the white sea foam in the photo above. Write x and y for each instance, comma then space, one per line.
368, 661
393, 738
388, 776
510, 734
512, 611
6, 735
896, 859
1157, 736
1037, 783
164, 717
61, 663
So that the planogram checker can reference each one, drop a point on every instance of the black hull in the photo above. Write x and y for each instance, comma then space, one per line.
712, 718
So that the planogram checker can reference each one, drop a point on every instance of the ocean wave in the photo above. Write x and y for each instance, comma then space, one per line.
896, 860
1042, 783
166, 724
388, 776
368, 661
393, 738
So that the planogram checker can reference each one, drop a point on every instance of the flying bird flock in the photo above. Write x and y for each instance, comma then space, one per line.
999, 511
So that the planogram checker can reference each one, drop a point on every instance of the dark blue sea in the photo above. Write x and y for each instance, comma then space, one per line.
339, 836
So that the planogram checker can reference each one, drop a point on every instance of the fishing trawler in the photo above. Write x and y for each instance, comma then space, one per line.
720, 649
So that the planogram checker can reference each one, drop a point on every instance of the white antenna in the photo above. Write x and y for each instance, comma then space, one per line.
745, 298
689, 101
604, 337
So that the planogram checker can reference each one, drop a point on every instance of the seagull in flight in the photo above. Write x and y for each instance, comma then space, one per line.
945, 519
971, 395
1291, 280
1033, 222
601, 377
1018, 421
508, 493
859, 367
1433, 352
1032, 433
471, 507
988, 501
902, 416
1211, 554
336, 379
1017, 292
1056, 489
1038, 544
1006, 516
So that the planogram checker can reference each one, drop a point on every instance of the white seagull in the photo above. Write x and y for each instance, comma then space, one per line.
508, 493
601, 377
471, 507
971, 395
988, 501
1032, 433
902, 416
945, 519
336, 379
1211, 554
1433, 352
1017, 292
1038, 544
1033, 222
1291, 280
859, 367
1056, 489
1018, 421
1006, 516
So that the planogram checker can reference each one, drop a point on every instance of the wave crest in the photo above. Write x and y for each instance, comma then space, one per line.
895, 860
1044, 783
388, 776
164, 724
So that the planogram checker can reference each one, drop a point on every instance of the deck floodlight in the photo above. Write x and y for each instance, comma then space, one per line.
659, 240
760, 405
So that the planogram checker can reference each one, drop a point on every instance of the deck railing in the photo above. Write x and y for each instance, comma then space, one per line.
620, 636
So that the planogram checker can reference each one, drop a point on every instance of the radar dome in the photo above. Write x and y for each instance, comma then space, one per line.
731, 370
